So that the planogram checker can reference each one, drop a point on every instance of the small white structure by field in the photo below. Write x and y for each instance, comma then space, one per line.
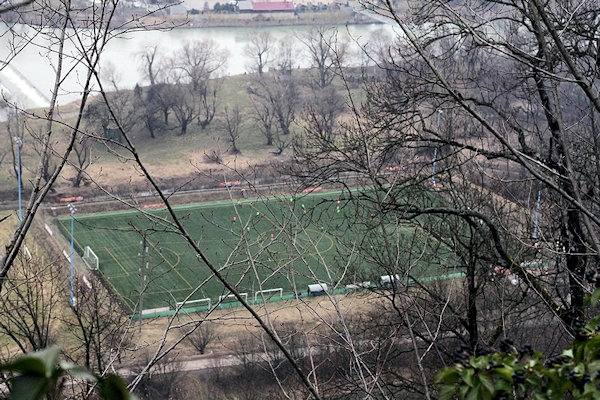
358, 286
388, 280
317, 289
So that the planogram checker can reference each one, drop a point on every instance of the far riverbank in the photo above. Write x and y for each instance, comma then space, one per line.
122, 53
212, 20
180, 17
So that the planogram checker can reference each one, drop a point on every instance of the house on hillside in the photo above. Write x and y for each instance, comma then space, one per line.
249, 6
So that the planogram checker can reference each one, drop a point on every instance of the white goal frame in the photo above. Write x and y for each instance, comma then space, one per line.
229, 296
89, 257
192, 302
280, 290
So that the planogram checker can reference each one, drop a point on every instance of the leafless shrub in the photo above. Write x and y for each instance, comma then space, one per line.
202, 336
213, 156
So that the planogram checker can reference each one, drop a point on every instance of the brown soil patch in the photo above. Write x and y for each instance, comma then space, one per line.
305, 315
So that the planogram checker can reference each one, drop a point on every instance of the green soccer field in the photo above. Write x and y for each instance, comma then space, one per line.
259, 244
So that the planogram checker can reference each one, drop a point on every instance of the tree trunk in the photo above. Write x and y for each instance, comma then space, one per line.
150, 129
78, 178
576, 265
184, 126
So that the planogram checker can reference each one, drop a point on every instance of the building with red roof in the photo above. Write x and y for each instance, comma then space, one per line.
265, 6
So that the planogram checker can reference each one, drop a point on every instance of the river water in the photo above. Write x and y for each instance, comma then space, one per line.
30, 74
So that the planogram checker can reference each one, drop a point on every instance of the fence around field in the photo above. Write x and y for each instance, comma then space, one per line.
164, 312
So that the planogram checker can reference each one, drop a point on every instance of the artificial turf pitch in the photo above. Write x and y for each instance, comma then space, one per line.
286, 242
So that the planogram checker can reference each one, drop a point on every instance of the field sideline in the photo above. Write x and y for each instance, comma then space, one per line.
283, 242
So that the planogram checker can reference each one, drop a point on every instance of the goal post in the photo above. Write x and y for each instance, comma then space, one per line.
268, 293
227, 297
90, 258
195, 303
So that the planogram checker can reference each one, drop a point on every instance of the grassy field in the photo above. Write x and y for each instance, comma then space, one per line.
263, 244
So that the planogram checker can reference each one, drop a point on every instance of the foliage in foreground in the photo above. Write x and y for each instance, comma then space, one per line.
38, 376
527, 374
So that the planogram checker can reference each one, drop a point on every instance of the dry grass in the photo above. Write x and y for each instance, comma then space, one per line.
7, 227
308, 315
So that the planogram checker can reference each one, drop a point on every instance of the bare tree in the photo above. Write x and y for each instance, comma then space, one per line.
281, 143
164, 96
164, 349
197, 65
15, 127
151, 64
99, 327
208, 102
30, 303
231, 124
149, 109
202, 336
264, 118
83, 159
258, 49
399, 128
99, 119
185, 107
320, 114
164, 381
197, 62
285, 53
47, 167
327, 53
280, 95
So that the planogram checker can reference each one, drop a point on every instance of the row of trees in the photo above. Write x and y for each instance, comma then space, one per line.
184, 86
187, 87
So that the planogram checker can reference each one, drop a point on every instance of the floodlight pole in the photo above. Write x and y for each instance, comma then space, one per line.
435, 151
143, 276
72, 209
19, 143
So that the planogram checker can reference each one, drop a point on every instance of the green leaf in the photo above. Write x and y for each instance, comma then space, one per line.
487, 384
28, 387
505, 372
48, 357
479, 362
447, 392
502, 386
594, 298
462, 391
468, 376
568, 353
37, 363
77, 371
592, 348
448, 376
112, 387
474, 394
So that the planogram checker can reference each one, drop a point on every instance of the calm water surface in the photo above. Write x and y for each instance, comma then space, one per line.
35, 64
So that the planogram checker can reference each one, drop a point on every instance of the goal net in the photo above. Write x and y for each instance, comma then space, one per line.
268, 293
90, 258
195, 303
231, 297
